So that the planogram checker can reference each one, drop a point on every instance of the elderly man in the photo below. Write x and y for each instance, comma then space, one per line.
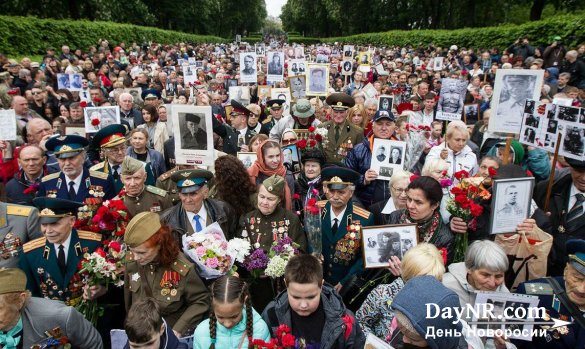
195, 212
26, 322
151, 96
74, 182
194, 137
38, 131
575, 67
111, 140
139, 197
342, 135
23, 113
23, 187
18, 225
275, 106
303, 117
131, 115
342, 253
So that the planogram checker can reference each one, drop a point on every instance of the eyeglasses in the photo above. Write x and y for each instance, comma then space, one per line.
289, 141
36, 93
399, 190
121, 149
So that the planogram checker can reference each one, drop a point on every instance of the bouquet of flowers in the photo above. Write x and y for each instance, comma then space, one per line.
102, 267
211, 252
283, 340
256, 262
312, 222
279, 254
464, 203
111, 217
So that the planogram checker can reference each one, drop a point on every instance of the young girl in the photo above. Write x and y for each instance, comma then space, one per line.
233, 323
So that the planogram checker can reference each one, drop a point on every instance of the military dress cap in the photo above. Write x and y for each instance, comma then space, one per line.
275, 104
384, 114
141, 228
303, 109
130, 165
576, 164
340, 101
150, 93
12, 280
189, 181
109, 136
274, 184
576, 252
192, 117
239, 108
52, 210
66, 146
337, 177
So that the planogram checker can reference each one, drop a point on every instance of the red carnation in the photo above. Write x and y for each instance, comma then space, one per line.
318, 138
97, 100
312, 202
302, 144
444, 254
116, 246
312, 129
312, 143
456, 191
100, 252
95, 122
461, 174
296, 196
476, 210
83, 104
492, 171
413, 177
281, 330
461, 199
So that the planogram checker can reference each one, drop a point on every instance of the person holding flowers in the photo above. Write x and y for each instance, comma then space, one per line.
232, 323
158, 269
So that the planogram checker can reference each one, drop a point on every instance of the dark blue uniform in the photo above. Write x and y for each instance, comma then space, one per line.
57, 185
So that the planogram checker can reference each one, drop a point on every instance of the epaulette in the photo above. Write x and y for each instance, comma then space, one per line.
538, 288
166, 175
129, 256
181, 265
18, 210
97, 167
51, 176
322, 203
88, 235
361, 212
98, 174
34, 244
156, 191
268, 119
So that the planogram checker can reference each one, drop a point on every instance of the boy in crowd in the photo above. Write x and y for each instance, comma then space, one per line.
314, 311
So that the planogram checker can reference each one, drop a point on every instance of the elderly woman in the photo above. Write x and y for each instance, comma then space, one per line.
139, 150
310, 178
23, 319
423, 198
397, 200
289, 136
158, 269
455, 151
157, 132
376, 314
438, 169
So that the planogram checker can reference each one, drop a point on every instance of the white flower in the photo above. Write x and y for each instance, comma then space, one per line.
275, 267
238, 249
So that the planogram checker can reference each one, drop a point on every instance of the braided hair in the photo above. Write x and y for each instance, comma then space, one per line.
228, 289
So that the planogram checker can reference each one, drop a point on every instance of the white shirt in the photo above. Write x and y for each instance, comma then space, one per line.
77, 182
573, 198
65, 244
389, 207
202, 217
339, 217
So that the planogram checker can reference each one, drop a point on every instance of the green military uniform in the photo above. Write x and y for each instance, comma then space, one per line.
340, 138
18, 225
165, 182
151, 199
177, 288
105, 167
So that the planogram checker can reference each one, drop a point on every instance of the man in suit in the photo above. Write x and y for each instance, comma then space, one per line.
33, 317
132, 115
18, 225
248, 65
342, 136
194, 137
74, 182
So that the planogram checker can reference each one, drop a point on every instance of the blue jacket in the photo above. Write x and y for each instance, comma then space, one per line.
230, 338
167, 341
358, 159
154, 159
58, 184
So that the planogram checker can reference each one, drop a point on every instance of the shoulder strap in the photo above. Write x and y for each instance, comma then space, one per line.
560, 292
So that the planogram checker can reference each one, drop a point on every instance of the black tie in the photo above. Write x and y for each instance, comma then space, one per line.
115, 172
61, 259
71, 190
577, 210
335, 226
336, 133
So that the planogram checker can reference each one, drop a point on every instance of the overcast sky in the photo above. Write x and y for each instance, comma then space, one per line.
274, 7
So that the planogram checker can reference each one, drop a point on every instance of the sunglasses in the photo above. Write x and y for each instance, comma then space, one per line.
36, 93
289, 141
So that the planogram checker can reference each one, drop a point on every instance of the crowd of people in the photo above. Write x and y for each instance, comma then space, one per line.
54, 177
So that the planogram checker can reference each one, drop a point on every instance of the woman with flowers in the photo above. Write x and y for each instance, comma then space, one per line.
159, 270
232, 323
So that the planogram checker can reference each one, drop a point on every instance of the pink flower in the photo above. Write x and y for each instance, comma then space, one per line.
200, 251
212, 262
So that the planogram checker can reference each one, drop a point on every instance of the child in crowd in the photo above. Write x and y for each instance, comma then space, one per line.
233, 323
314, 311
146, 329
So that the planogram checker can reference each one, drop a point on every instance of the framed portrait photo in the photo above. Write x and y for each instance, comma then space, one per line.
247, 158
97, 118
275, 66
510, 203
317, 79
296, 67
347, 67
292, 158
379, 243
282, 93
365, 58
471, 113
387, 156
438, 63
248, 67
297, 86
302, 133
193, 134
72, 130
348, 51
385, 103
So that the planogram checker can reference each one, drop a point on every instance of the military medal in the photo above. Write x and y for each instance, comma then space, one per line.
155, 207
561, 229
164, 291
9, 247
173, 292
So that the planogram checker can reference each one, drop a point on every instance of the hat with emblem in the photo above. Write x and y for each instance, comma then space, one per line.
303, 109
275, 104
239, 108
150, 93
576, 252
189, 181
52, 210
275, 185
340, 101
576, 164
12, 280
141, 228
192, 118
131, 165
109, 136
337, 177
66, 146
384, 114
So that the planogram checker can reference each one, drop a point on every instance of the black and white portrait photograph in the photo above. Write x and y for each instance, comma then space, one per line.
193, 136
63, 81
438, 63
240, 94
299, 53
529, 106
569, 114
348, 51
385, 103
97, 118
247, 158
529, 135
364, 58
471, 113
275, 66
298, 87
264, 92
512, 87
550, 140
294, 67
450, 105
260, 49
382, 242
75, 81
347, 67
388, 155
190, 74
282, 93
291, 158
318, 79
248, 67
510, 203
573, 143
531, 120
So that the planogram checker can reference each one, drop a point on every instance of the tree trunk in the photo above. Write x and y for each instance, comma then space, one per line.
536, 9
73, 9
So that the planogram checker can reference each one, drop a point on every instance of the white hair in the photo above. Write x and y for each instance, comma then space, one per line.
486, 254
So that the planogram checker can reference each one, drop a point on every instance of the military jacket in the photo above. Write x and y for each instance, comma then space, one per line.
165, 182
151, 199
349, 137
18, 225
93, 184
104, 167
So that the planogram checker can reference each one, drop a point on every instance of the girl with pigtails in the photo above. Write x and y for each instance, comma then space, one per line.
232, 323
